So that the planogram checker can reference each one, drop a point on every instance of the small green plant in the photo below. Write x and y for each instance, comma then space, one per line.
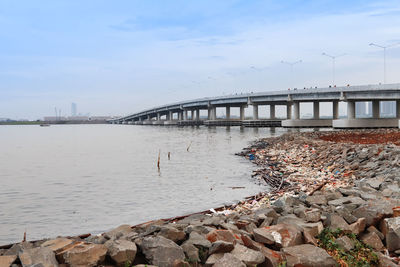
282, 264
361, 255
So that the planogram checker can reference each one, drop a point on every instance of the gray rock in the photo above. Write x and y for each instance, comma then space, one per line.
198, 240
281, 235
191, 252
316, 199
172, 233
201, 229
161, 251
228, 260
346, 200
83, 254
308, 255
373, 229
311, 215
221, 247
391, 231
43, 256
7, 261
96, 239
121, 251
345, 243
373, 240
335, 221
118, 232
17, 248
248, 256
213, 259
374, 211
359, 226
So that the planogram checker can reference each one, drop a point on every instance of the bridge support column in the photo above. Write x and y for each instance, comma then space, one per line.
227, 112
255, 112
335, 109
316, 110
198, 114
242, 115
185, 115
351, 110
158, 116
180, 115
398, 109
148, 117
170, 115
289, 111
296, 110
375, 109
272, 111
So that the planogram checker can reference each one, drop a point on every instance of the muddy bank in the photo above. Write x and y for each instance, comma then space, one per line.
334, 201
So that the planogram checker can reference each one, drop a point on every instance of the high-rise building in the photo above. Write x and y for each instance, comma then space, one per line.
73, 109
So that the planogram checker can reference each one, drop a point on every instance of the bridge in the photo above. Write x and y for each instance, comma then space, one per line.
188, 112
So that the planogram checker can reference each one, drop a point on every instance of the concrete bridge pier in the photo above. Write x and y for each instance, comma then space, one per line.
289, 111
242, 115
297, 122
197, 114
272, 112
255, 112
375, 122
228, 112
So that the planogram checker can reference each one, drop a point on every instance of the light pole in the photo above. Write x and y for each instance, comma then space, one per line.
291, 64
384, 57
333, 65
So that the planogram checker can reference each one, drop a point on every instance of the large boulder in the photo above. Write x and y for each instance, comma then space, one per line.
58, 244
229, 260
308, 255
7, 261
391, 231
198, 240
248, 256
118, 232
280, 235
172, 233
223, 235
272, 258
221, 247
121, 251
161, 251
84, 254
43, 256
372, 239
374, 211
335, 221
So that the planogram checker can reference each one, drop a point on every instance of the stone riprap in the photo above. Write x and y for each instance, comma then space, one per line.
332, 203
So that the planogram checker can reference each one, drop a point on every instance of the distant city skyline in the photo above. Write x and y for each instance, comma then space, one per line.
122, 57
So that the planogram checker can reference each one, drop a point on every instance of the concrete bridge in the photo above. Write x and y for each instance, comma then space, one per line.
188, 112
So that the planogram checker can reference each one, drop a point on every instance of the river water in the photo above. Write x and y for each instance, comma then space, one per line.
76, 179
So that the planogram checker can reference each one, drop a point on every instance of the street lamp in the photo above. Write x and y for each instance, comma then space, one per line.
291, 64
333, 65
384, 57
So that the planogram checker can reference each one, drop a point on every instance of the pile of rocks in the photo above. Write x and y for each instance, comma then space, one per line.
276, 229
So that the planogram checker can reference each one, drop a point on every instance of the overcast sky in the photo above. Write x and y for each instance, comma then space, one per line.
118, 57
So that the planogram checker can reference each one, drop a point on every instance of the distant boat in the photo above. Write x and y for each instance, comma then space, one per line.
44, 125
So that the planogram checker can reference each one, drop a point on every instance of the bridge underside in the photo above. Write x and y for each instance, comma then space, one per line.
191, 113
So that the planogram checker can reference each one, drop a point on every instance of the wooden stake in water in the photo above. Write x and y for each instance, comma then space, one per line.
188, 147
169, 155
158, 161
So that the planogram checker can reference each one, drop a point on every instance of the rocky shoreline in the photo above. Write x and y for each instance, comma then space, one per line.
334, 201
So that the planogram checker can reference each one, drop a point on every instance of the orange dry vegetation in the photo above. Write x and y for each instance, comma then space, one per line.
363, 137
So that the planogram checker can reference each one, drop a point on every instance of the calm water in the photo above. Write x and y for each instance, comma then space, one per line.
66, 180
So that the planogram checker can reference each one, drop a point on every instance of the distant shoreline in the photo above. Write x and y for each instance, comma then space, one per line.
51, 122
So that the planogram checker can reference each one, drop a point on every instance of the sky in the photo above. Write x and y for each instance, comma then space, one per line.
123, 56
